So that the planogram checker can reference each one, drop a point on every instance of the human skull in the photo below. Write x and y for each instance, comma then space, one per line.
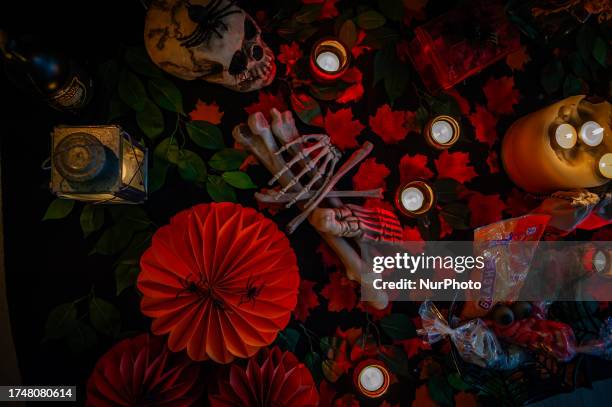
213, 40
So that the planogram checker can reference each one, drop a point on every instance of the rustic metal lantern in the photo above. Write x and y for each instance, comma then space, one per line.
100, 164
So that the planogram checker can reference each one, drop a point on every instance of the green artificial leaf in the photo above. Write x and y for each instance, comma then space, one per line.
157, 174
392, 9
104, 316
578, 66
326, 345
288, 339
92, 218
422, 117
219, 190
445, 104
398, 326
370, 20
59, 209
108, 72
396, 359
305, 33
205, 135
166, 94
191, 166
328, 92
571, 86
116, 109
228, 159
348, 33
457, 382
447, 190
167, 150
81, 338
552, 76
150, 120
600, 51
585, 40
388, 67
139, 243
457, 215
238, 179
440, 390
125, 276
331, 370
138, 59
118, 237
378, 38
313, 362
61, 321
131, 90
307, 109
309, 13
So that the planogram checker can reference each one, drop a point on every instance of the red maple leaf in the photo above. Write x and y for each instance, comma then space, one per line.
208, 112
289, 55
422, 397
445, 228
328, 7
493, 162
501, 94
412, 234
352, 94
342, 129
329, 257
340, 292
370, 175
412, 346
411, 167
517, 59
484, 124
464, 104
307, 300
266, 102
359, 49
392, 126
485, 209
455, 166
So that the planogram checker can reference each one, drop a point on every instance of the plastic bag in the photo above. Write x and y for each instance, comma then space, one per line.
475, 342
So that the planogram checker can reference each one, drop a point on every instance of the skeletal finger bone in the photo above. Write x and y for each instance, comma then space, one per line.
310, 165
326, 169
302, 157
305, 139
271, 197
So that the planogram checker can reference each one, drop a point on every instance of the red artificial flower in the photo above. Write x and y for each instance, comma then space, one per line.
463, 399
412, 167
493, 162
289, 55
221, 279
340, 292
307, 300
501, 95
455, 166
517, 59
266, 102
141, 371
485, 209
414, 9
484, 124
370, 175
272, 378
342, 129
208, 112
392, 126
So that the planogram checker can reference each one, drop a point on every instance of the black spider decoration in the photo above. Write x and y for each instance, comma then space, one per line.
201, 290
251, 292
209, 21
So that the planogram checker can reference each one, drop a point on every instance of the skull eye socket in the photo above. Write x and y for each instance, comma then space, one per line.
257, 52
239, 63
250, 30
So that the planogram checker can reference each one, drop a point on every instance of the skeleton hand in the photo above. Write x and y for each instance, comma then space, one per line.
312, 155
358, 222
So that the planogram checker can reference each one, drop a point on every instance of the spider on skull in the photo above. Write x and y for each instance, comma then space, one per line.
209, 19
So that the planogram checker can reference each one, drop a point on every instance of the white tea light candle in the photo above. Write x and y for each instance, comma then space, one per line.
565, 136
412, 199
605, 165
591, 133
328, 61
442, 131
372, 378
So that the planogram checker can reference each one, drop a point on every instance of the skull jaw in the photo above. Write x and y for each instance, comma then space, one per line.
247, 85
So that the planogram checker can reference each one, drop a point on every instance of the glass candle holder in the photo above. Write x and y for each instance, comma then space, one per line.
372, 378
441, 132
415, 198
329, 59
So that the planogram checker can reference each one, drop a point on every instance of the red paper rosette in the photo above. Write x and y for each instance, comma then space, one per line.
221, 279
273, 378
142, 371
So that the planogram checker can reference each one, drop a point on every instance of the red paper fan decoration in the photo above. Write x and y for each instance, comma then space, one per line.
221, 279
273, 378
142, 371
